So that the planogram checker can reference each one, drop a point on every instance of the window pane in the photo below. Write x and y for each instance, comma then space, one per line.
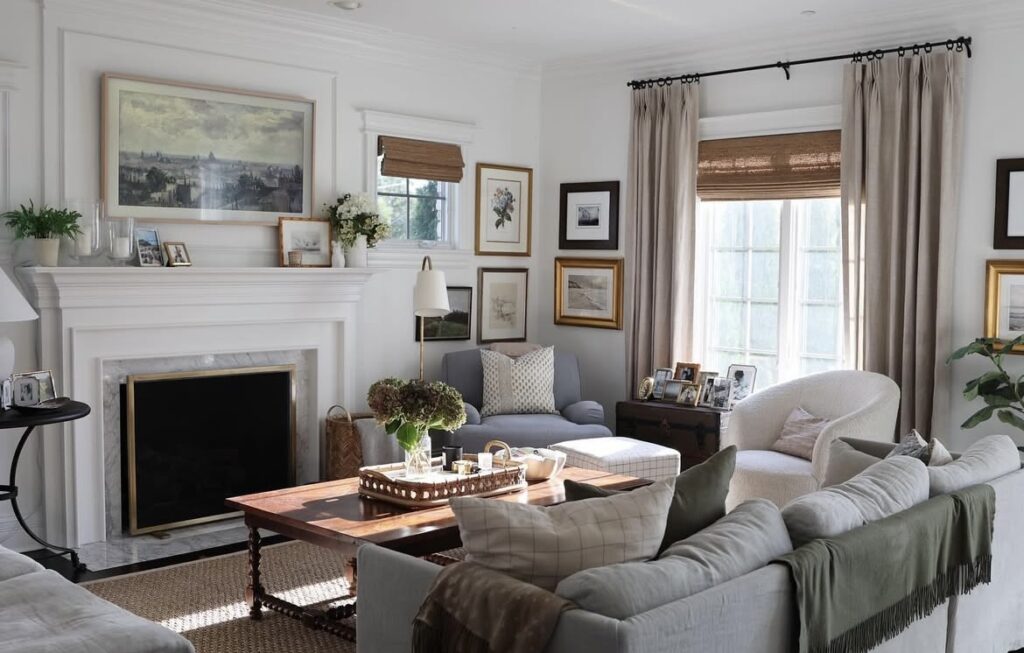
821, 276
819, 329
767, 371
721, 360
764, 327
764, 275
730, 274
425, 187
729, 224
815, 365
821, 222
729, 328
396, 211
425, 218
764, 224
391, 185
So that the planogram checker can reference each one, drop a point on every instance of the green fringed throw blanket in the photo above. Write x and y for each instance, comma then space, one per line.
473, 609
864, 587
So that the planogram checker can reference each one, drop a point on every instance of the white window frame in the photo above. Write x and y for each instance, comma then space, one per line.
379, 123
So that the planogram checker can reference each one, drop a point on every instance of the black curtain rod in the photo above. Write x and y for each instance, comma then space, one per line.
960, 44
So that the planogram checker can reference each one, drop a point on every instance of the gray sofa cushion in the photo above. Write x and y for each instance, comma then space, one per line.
584, 412
741, 542
14, 564
845, 461
43, 613
525, 431
985, 460
464, 371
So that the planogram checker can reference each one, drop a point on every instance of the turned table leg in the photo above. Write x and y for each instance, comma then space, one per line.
254, 592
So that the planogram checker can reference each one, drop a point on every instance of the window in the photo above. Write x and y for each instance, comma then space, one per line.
774, 286
416, 209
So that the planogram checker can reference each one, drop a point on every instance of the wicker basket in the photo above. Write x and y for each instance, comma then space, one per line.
388, 483
344, 448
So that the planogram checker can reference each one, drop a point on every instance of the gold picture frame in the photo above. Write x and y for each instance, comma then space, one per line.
588, 292
177, 255
999, 319
319, 258
491, 221
689, 372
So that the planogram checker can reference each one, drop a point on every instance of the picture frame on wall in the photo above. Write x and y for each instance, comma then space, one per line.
147, 246
457, 324
588, 292
1004, 300
166, 154
589, 215
501, 312
504, 210
304, 242
1008, 231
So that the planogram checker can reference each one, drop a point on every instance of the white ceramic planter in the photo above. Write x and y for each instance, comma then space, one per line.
47, 251
356, 256
337, 255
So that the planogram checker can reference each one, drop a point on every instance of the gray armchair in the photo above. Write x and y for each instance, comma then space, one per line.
577, 419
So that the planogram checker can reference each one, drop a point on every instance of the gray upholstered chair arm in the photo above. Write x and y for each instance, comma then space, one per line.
472, 414
584, 412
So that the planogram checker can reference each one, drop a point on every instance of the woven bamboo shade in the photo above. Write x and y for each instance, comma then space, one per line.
405, 157
786, 166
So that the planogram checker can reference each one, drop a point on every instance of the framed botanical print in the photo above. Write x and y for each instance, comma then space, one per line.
504, 210
1004, 301
502, 309
1009, 220
456, 324
194, 153
589, 216
304, 242
588, 292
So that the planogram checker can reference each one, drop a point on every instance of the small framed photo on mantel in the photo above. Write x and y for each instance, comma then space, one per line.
305, 242
177, 255
589, 215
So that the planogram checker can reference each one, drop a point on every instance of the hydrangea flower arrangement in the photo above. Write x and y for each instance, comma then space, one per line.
408, 409
356, 214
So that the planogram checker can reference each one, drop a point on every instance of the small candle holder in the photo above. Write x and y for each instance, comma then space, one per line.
121, 244
87, 243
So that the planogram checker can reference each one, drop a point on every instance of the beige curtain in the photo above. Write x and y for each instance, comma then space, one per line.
902, 132
661, 228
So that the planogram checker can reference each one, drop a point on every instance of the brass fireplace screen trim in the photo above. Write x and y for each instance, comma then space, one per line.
133, 525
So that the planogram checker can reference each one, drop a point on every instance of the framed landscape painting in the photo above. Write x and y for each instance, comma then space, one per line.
588, 292
454, 326
184, 152
502, 311
589, 216
1004, 300
504, 209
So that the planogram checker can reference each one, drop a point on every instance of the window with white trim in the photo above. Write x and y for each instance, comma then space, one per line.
418, 210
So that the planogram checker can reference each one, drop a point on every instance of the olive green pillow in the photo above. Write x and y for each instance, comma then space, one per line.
699, 498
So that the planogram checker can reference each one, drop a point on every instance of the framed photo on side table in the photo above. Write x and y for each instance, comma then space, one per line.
588, 292
1004, 300
589, 215
501, 315
504, 210
305, 242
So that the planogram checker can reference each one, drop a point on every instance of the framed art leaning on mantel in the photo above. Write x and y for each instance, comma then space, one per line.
504, 210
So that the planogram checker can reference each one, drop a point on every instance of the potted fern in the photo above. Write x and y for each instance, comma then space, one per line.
45, 227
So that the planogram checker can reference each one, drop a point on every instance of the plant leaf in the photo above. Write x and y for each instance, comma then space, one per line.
1011, 418
977, 418
976, 347
408, 435
997, 401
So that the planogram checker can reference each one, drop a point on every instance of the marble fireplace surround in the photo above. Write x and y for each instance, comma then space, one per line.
101, 322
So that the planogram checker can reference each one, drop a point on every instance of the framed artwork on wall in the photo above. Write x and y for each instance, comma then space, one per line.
1004, 300
588, 292
589, 215
1009, 220
504, 210
193, 153
502, 309
304, 242
454, 326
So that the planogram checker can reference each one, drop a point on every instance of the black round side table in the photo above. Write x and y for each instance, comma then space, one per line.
17, 418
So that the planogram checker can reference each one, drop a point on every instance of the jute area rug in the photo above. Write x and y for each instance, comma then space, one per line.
204, 600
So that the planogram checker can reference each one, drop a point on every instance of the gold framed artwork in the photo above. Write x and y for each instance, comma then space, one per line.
689, 372
177, 255
504, 210
1004, 300
304, 242
588, 292
183, 152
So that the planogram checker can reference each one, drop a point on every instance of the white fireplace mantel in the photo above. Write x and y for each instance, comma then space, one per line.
89, 316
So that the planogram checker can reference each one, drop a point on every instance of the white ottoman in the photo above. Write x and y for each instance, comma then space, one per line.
619, 455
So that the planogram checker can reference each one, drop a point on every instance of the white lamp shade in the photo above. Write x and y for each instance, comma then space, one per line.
13, 307
430, 299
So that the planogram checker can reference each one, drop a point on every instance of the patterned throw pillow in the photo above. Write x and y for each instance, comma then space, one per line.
544, 545
912, 445
514, 386
799, 434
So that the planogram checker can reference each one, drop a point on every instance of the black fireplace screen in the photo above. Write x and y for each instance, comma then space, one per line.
192, 439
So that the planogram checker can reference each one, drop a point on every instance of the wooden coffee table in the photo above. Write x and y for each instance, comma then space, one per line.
333, 515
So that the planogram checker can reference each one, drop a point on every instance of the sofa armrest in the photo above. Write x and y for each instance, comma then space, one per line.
472, 414
584, 412
392, 587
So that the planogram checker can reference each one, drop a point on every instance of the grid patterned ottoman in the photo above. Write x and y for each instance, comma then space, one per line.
619, 455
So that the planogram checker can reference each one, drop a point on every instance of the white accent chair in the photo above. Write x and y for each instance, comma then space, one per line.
859, 404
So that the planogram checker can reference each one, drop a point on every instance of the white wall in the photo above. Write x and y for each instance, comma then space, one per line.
54, 116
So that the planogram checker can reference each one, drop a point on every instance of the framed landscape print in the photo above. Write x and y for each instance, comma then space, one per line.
504, 209
588, 292
305, 242
1009, 222
456, 324
147, 244
502, 312
185, 152
1004, 300
589, 216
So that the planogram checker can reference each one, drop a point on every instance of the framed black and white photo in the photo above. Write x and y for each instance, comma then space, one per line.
147, 244
689, 394
305, 242
588, 292
177, 255
502, 310
662, 375
1004, 301
743, 380
456, 325
1009, 219
190, 152
32, 388
673, 387
504, 210
589, 216
720, 393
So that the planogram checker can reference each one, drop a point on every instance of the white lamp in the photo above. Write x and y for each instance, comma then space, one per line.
430, 298
13, 308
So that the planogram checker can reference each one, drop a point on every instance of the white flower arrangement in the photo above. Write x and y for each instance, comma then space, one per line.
356, 214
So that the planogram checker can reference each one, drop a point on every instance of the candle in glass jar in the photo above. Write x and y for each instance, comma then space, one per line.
122, 247
83, 242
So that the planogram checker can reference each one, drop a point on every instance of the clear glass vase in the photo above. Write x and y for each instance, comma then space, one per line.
417, 459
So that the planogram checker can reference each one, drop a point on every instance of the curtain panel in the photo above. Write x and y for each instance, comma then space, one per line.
901, 142
661, 229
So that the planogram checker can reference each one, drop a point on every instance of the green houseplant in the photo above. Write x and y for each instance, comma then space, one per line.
409, 409
1001, 392
44, 226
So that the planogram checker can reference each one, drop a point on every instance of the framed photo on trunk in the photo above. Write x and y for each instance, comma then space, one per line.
589, 215
502, 307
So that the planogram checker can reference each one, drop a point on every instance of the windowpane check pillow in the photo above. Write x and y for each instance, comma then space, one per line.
544, 545
514, 386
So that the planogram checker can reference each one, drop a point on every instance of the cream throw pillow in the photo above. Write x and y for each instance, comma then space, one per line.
544, 545
514, 386
799, 434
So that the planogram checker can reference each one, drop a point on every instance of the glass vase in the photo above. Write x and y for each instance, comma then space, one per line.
417, 459
88, 241
121, 240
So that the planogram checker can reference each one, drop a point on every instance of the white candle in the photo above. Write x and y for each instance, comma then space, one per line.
483, 460
83, 242
122, 247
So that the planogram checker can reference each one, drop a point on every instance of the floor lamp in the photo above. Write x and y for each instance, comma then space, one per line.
430, 299
13, 308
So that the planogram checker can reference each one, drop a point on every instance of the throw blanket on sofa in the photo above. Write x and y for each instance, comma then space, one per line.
859, 589
473, 609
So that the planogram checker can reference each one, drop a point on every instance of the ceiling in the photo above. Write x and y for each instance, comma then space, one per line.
548, 31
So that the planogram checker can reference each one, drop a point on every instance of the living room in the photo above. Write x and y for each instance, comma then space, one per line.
624, 235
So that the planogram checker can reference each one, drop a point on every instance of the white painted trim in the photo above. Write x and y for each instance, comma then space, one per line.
789, 121
410, 258
396, 124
